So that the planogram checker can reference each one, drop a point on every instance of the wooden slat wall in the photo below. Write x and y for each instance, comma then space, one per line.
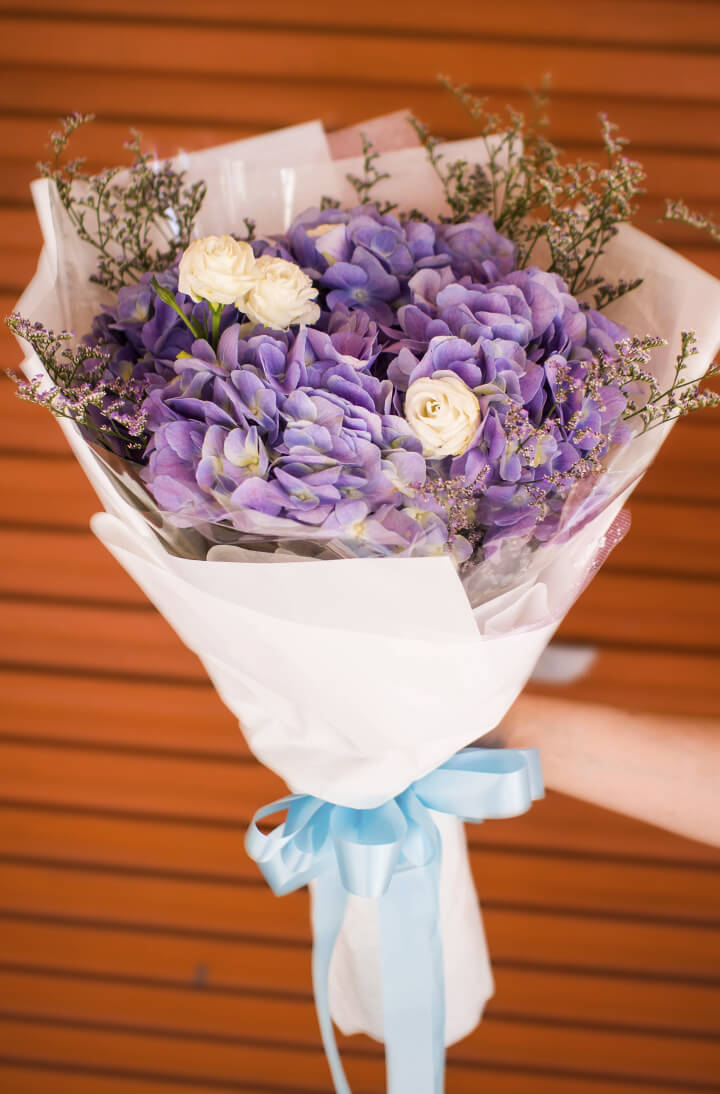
138, 949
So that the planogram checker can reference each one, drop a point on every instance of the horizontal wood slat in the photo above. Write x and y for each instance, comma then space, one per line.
235, 108
114, 714
663, 682
135, 641
617, 608
204, 791
244, 966
27, 1077
576, 67
518, 933
500, 1040
124, 835
651, 126
638, 22
692, 174
75, 638
298, 1069
140, 717
135, 714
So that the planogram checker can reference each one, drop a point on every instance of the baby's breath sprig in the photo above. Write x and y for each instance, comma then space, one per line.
364, 184
136, 225
81, 388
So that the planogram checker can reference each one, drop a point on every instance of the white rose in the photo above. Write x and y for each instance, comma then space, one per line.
443, 413
281, 295
218, 269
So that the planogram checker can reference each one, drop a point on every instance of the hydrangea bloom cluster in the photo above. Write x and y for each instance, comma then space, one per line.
387, 382
443, 400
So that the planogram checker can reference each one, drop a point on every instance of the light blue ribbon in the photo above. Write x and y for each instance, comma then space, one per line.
392, 854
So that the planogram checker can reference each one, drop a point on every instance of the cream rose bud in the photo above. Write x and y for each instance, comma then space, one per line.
443, 413
281, 295
218, 269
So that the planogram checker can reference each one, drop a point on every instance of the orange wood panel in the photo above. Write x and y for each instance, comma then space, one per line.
203, 790
366, 56
213, 1014
137, 642
121, 835
631, 22
612, 945
617, 609
169, 960
139, 949
689, 173
28, 1077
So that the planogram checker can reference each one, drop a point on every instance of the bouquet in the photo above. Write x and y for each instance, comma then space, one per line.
363, 429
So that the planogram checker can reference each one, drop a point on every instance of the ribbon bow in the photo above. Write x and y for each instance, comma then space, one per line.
391, 853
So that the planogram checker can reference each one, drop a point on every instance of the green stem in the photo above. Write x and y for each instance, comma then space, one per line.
169, 298
216, 311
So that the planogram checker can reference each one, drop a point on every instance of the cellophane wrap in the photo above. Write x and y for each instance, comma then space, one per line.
353, 677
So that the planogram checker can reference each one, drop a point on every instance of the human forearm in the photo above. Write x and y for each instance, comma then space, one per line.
664, 770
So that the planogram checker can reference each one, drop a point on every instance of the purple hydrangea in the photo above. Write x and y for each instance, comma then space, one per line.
274, 432
522, 344
303, 432
365, 259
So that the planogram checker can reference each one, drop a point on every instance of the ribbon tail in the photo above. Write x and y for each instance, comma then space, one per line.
328, 912
412, 979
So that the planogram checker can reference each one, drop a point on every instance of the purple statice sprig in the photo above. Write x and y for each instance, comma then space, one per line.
678, 213
649, 405
455, 499
139, 224
81, 388
608, 291
573, 209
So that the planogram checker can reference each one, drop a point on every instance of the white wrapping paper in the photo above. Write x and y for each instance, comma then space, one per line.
352, 678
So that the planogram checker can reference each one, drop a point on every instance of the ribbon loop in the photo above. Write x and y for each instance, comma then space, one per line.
483, 783
391, 854
367, 846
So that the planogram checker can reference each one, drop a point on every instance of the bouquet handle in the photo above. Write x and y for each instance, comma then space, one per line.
391, 855
356, 987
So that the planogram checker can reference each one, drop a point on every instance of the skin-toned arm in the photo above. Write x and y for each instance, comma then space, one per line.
663, 770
